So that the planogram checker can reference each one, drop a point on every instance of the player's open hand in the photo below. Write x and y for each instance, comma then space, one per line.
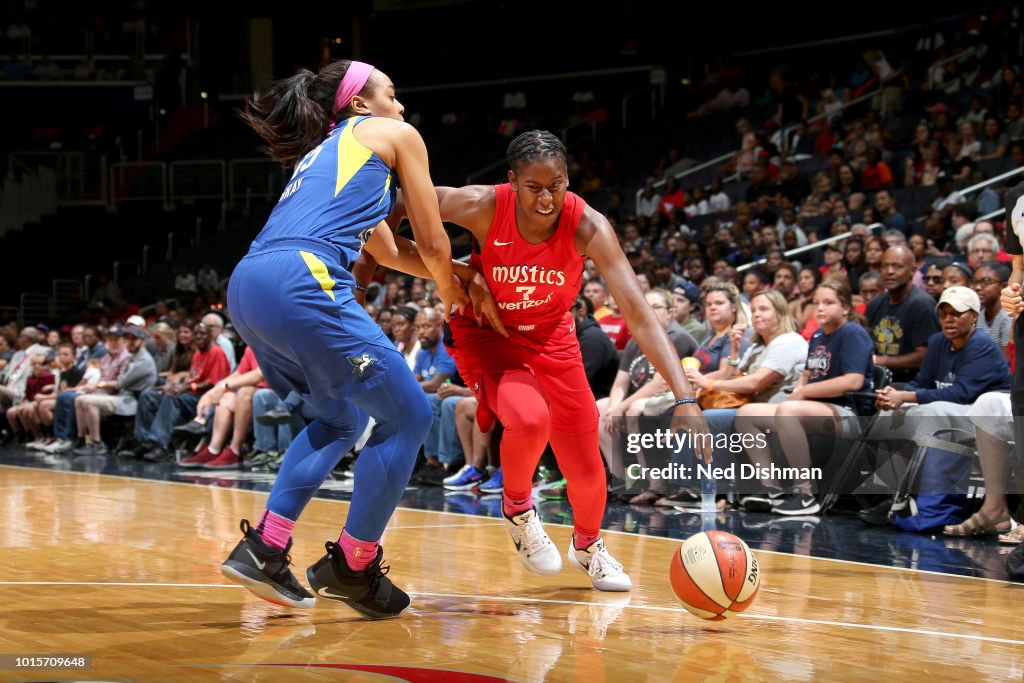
688, 417
1010, 299
454, 297
483, 304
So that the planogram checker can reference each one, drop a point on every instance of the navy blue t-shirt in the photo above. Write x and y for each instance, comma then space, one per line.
847, 350
961, 376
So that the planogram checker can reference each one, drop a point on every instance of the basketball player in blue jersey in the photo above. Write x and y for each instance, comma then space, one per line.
291, 299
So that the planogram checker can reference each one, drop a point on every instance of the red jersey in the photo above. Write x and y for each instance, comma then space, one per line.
534, 285
615, 327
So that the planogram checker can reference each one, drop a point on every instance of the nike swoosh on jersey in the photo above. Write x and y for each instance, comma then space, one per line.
501, 244
259, 564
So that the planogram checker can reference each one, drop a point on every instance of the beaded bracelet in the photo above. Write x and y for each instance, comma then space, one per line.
684, 401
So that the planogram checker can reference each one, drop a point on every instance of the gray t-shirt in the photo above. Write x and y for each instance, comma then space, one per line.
641, 370
1000, 330
786, 355
164, 359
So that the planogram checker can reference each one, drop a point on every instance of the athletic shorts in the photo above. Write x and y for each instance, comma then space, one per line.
482, 356
291, 301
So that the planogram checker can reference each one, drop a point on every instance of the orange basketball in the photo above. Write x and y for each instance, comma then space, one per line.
715, 575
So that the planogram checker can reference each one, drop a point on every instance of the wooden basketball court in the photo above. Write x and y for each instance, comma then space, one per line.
126, 571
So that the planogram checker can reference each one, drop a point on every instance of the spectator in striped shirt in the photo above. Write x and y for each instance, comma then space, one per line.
989, 280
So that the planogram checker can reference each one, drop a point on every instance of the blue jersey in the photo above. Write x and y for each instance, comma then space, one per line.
338, 193
428, 363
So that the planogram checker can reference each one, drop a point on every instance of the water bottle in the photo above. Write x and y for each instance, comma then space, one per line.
708, 509
708, 521
708, 489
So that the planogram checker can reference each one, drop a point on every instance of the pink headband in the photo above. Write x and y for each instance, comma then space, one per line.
351, 83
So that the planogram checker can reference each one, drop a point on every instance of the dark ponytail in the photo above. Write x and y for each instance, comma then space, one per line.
294, 115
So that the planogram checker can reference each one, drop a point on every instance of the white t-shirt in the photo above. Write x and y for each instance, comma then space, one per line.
185, 283
786, 355
411, 353
718, 202
970, 149
648, 207
699, 209
92, 376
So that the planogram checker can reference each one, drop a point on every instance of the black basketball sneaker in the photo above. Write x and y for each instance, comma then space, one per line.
264, 571
369, 592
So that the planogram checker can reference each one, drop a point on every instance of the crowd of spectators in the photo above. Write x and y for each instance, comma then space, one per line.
919, 270
58, 385
812, 159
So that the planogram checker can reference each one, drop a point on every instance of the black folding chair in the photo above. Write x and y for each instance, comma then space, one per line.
881, 377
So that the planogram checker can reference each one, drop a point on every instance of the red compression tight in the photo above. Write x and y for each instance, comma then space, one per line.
518, 399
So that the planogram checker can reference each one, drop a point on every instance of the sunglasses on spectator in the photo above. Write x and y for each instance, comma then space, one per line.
985, 282
933, 278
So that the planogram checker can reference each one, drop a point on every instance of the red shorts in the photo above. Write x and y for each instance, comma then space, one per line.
553, 358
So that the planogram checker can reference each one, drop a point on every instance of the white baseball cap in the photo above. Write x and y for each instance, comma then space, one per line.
961, 299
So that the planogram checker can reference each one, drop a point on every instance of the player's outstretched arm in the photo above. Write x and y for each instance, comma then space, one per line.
597, 240
470, 207
402, 254
421, 206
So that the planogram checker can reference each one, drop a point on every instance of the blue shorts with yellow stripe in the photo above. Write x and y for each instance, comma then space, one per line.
291, 300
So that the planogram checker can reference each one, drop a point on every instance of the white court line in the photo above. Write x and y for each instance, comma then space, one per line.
547, 601
567, 526
44, 486
764, 617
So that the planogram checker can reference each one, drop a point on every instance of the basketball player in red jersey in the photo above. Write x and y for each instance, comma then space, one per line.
532, 237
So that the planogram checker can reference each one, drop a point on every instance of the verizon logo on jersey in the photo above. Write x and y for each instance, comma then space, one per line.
526, 303
527, 274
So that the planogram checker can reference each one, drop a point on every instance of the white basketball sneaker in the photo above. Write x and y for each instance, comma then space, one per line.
605, 571
536, 551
